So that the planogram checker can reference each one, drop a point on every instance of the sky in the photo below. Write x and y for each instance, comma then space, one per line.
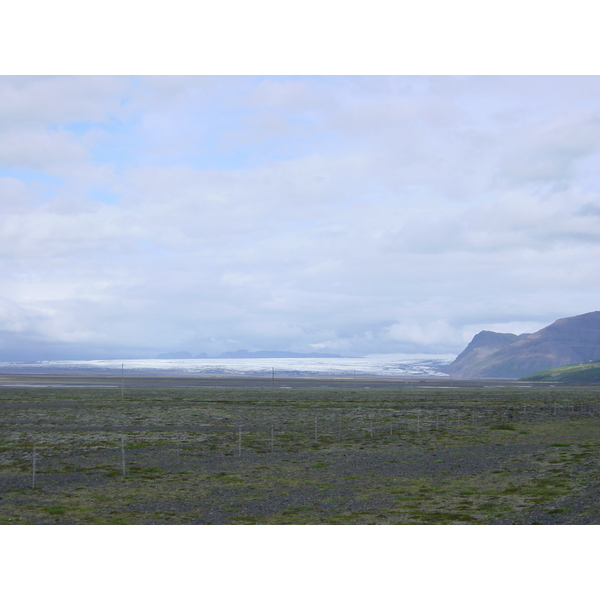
341, 214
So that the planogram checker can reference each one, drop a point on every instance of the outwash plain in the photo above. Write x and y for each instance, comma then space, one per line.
189, 450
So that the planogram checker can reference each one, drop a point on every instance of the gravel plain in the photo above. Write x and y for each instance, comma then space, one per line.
312, 452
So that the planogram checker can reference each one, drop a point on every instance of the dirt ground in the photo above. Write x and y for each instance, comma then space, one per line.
341, 454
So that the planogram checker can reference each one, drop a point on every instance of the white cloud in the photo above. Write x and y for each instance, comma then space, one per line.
32, 102
352, 215
433, 332
38, 149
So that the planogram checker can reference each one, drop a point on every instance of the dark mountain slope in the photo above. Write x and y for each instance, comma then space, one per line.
475, 355
568, 341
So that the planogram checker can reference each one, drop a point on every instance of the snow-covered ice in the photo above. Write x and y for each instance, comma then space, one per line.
379, 365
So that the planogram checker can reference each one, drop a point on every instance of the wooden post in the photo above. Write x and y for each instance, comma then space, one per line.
33, 468
240, 442
123, 455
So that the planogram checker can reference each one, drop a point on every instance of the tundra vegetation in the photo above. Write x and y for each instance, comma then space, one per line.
389, 454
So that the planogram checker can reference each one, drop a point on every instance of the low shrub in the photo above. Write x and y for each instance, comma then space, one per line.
503, 427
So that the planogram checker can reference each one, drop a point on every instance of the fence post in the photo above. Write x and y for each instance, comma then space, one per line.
33, 468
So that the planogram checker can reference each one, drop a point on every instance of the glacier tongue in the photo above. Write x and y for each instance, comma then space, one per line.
376, 365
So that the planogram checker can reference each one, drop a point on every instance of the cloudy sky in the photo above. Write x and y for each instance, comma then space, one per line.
352, 215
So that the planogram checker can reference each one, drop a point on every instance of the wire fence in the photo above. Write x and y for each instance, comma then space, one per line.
137, 454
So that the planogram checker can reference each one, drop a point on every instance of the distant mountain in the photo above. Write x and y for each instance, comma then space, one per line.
246, 354
483, 345
568, 341
182, 355
275, 354
175, 355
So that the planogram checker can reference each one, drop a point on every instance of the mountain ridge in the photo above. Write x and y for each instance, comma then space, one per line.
276, 354
567, 341
247, 354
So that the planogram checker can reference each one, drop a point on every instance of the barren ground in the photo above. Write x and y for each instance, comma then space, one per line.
348, 453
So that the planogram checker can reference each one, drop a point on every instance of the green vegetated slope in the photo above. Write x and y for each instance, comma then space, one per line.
582, 373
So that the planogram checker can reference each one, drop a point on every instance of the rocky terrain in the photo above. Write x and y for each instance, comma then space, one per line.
316, 455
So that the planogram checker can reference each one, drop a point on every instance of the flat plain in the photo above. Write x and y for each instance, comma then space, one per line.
81, 450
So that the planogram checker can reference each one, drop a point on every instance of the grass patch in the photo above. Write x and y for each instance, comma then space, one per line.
442, 517
55, 510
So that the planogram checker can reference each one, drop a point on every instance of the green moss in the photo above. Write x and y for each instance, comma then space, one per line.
442, 517
56, 510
